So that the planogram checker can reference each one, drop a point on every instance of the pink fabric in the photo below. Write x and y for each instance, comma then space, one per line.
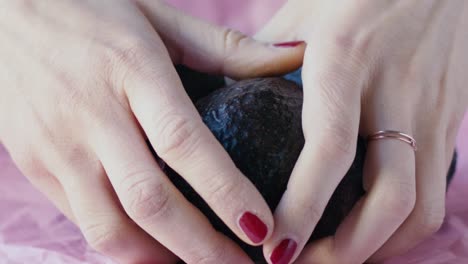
33, 231
243, 15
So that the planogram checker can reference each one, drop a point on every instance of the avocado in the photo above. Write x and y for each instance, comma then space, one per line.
258, 122
198, 84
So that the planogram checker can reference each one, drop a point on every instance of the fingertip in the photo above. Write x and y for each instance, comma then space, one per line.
302, 205
283, 252
253, 227
252, 58
288, 44
255, 222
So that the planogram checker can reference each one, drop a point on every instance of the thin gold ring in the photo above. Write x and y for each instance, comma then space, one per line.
393, 134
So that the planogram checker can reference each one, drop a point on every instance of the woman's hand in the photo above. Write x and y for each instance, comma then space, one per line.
84, 83
370, 66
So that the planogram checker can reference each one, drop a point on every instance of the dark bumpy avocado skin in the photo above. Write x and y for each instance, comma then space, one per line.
258, 122
263, 138
197, 84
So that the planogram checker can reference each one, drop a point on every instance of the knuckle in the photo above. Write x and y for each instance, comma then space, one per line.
350, 44
221, 189
337, 93
102, 236
341, 150
131, 60
312, 211
337, 138
430, 226
146, 198
400, 201
232, 40
177, 135
129, 54
430, 219
210, 256
337, 143
353, 43
73, 97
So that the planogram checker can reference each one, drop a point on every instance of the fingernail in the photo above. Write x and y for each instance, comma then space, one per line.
253, 227
289, 44
284, 252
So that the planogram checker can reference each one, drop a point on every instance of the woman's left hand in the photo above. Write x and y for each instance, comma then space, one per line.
371, 66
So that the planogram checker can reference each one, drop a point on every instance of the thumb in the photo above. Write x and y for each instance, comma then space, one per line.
218, 50
282, 26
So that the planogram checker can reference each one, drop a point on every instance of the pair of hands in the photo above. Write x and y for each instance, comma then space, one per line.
84, 83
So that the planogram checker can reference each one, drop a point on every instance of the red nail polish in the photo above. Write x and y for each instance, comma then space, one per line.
289, 44
253, 227
284, 252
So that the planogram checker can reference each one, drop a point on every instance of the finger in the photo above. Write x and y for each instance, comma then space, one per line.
153, 203
390, 184
53, 190
435, 153
217, 50
41, 178
102, 220
429, 211
332, 85
182, 140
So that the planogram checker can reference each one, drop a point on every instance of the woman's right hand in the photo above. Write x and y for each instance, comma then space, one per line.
84, 83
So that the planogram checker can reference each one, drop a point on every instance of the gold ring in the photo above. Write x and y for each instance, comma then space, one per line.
393, 134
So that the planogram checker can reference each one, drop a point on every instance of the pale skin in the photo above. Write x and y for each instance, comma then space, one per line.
84, 83
369, 66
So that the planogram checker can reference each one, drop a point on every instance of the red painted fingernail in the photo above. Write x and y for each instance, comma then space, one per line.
253, 227
284, 252
289, 44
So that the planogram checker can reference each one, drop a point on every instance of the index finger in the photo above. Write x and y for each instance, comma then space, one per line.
181, 139
332, 84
